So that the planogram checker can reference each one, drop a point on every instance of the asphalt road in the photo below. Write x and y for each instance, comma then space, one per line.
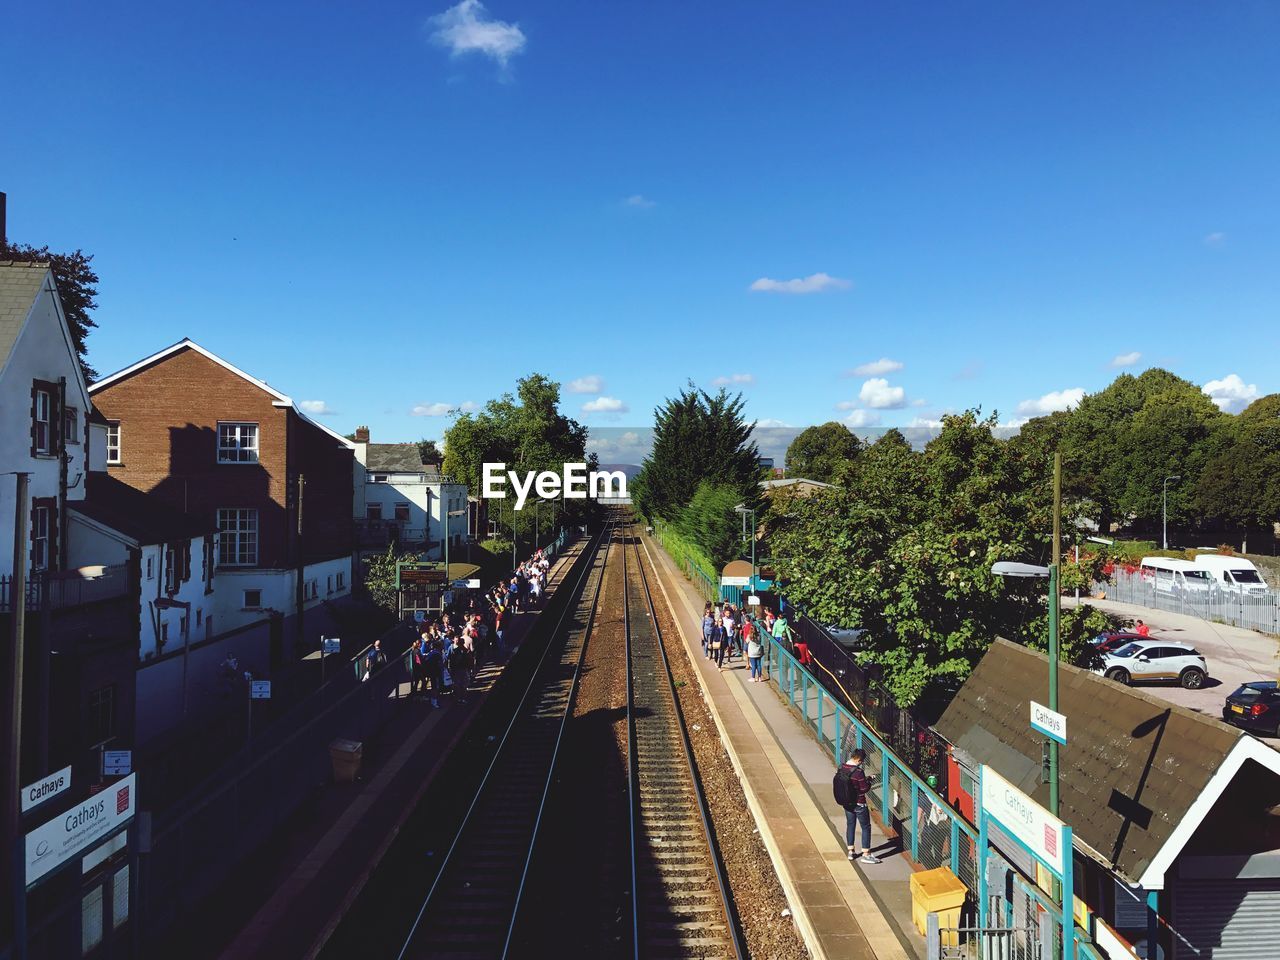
1233, 655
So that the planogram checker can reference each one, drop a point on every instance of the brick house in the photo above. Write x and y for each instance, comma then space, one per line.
219, 444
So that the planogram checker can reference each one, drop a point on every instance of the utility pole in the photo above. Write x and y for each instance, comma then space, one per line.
13, 838
1054, 600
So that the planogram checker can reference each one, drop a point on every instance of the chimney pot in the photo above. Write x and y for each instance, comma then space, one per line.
362, 434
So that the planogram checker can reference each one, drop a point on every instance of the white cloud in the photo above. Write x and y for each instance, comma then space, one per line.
814, 283
863, 418
919, 402
639, 201
465, 28
1051, 402
1124, 360
876, 368
879, 395
735, 379
443, 409
592, 383
1215, 239
771, 423
605, 405
1014, 424
316, 408
924, 423
1231, 394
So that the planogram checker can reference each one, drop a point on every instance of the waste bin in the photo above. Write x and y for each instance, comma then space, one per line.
937, 891
346, 756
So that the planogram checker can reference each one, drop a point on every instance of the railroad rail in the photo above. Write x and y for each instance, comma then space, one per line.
681, 901
471, 907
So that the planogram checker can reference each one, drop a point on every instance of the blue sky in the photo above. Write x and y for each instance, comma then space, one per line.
398, 206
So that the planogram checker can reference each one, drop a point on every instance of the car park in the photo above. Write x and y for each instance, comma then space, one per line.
1153, 659
1255, 706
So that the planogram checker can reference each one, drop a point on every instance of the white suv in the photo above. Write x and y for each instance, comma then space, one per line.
1153, 659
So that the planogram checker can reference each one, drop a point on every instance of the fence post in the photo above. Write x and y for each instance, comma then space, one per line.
955, 845
933, 937
1047, 951
915, 820
885, 793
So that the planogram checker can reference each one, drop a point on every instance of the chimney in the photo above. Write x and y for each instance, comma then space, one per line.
362, 434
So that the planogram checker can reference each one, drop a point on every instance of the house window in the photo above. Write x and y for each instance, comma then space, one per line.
164, 634
252, 599
151, 568
402, 513
209, 558
312, 589
237, 443
41, 422
177, 565
182, 626
199, 618
342, 581
379, 478
373, 511
328, 584
71, 425
101, 717
113, 441
40, 538
237, 537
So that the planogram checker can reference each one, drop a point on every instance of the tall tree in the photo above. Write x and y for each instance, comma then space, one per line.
819, 453
429, 452
77, 289
697, 436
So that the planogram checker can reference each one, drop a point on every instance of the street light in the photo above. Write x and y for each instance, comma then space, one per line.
1164, 507
745, 510
1006, 568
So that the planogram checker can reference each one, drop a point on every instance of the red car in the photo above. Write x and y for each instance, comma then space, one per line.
1114, 639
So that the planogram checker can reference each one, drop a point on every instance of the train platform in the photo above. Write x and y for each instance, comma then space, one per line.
287, 899
842, 909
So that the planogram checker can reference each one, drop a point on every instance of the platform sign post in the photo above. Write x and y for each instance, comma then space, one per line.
1049, 722
1038, 832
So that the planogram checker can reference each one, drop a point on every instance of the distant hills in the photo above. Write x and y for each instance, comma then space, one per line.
630, 469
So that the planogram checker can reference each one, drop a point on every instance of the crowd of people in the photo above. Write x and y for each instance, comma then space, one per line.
452, 645
729, 632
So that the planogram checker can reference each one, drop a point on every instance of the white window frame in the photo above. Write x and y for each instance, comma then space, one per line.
236, 556
71, 430
40, 521
342, 580
43, 418
151, 568
113, 442
235, 443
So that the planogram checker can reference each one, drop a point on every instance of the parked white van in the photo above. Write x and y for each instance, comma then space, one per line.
1234, 574
1168, 575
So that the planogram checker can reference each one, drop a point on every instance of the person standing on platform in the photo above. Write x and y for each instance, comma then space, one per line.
708, 624
850, 786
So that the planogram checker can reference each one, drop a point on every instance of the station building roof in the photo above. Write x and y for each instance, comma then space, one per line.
1138, 775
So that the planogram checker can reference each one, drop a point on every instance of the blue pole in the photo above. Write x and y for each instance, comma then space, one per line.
1068, 899
982, 855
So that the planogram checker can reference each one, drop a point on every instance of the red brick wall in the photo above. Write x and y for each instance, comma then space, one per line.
168, 415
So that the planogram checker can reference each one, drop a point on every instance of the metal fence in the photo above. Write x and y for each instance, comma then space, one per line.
1253, 612
706, 582
56, 591
932, 833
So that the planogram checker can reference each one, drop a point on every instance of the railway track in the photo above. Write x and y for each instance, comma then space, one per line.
471, 907
682, 906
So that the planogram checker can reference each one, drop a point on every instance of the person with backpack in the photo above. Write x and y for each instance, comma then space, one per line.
850, 787
460, 667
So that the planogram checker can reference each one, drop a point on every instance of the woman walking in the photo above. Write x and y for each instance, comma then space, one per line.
718, 643
754, 652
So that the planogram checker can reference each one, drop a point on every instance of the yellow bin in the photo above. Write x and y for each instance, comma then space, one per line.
937, 891
346, 756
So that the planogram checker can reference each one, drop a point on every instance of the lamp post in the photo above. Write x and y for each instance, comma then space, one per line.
1007, 569
1164, 507
745, 511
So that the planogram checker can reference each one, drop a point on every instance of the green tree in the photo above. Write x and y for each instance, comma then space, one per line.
429, 452
697, 437
77, 289
819, 453
709, 520
380, 578
526, 431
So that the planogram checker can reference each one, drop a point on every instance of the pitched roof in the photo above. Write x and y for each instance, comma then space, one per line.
394, 458
20, 284
141, 517
1135, 772
280, 399
791, 481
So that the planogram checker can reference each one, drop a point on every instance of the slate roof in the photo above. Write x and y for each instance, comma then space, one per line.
394, 458
19, 286
139, 516
1132, 767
